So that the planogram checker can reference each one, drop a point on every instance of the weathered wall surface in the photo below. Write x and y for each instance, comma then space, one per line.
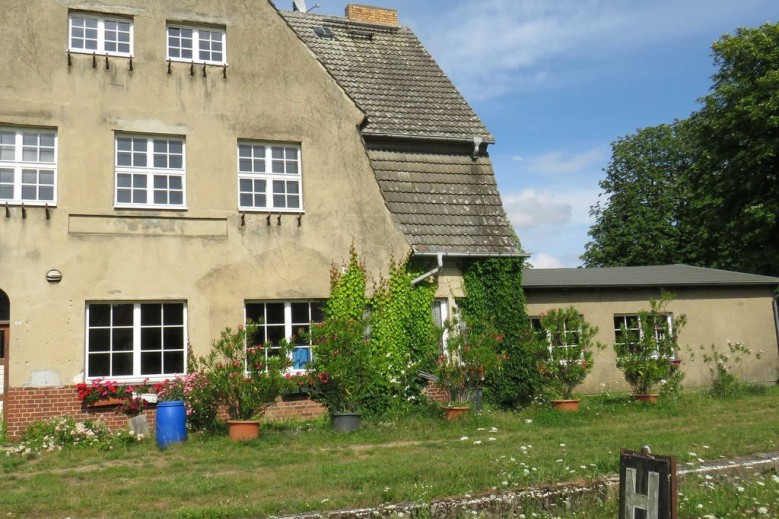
207, 255
714, 316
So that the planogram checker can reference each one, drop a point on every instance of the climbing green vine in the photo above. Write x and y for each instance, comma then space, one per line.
494, 297
402, 333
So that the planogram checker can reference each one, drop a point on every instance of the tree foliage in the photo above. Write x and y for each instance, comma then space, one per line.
702, 191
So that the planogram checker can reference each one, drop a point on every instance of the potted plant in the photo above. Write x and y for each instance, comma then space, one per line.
647, 350
563, 347
342, 370
246, 377
103, 393
469, 358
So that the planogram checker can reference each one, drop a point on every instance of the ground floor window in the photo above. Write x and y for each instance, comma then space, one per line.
290, 320
629, 328
136, 339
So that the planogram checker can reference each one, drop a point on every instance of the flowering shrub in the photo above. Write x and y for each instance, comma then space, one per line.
343, 369
469, 359
199, 399
563, 347
723, 367
246, 376
646, 355
62, 432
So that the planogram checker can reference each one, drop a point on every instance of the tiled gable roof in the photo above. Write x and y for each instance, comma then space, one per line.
391, 77
445, 202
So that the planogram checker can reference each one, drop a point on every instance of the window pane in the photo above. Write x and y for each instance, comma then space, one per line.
151, 339
151, 314
122, 339
123, 315
100, 340
99, 365
274, 334
300, 313
173, 362
255, 312
122, 364
173, 338
99, 315
151, 363
274, 313
174, 313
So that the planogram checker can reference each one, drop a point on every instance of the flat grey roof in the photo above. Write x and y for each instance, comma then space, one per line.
654, 276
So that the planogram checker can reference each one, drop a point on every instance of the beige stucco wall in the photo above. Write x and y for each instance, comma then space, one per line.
275, 91
714, 316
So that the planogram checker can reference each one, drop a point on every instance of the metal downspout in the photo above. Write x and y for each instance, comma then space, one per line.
436, 270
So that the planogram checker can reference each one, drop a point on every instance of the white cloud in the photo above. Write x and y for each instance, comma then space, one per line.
531, 208
556, 163
545, 261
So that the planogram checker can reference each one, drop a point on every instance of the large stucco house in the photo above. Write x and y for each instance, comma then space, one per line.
720, 306
171, 168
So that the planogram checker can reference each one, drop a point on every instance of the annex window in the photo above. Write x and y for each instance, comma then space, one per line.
567, 337
290, 320
198, 44
150, 172
100, 35
269, 177
28, 166
629, 327
136, 339
440, 317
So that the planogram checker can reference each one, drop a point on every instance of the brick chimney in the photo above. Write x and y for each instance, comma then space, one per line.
370, 14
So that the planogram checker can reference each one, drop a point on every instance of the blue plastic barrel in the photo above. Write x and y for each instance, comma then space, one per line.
171, 423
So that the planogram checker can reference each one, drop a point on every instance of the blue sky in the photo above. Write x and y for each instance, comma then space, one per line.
557, 81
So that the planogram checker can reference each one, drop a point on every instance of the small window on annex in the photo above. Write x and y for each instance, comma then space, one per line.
136, 340
290, 320
100, 34
629, 327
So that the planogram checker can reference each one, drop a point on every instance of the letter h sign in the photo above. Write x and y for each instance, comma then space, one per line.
647, 486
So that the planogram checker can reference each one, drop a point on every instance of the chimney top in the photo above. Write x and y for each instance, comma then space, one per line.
370, 14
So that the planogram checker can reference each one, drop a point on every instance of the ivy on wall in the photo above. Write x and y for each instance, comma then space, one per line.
402, 332
494, 296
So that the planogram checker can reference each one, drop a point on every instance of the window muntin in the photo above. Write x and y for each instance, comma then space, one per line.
150, 171
136, 339
269, 177
100, 35
290, 320
28, 166
197, 44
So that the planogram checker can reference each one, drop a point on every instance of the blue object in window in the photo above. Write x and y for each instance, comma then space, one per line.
300, 357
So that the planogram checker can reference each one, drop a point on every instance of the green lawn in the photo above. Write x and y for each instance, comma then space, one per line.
298, 467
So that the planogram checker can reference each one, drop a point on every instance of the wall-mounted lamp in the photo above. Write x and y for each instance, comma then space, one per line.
54, 276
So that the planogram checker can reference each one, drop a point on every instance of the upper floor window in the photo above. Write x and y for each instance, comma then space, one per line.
289, 320
150, 171
100, 35
136, 339
269, 177
198, 44
28, 166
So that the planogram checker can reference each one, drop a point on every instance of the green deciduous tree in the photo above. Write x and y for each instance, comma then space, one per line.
703, 191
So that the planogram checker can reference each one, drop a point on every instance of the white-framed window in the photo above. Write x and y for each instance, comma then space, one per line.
568, 338
441, 314
94, 34
290, 320
150, 171
136, 340
28, 166
627, 326
269, 177
198, 44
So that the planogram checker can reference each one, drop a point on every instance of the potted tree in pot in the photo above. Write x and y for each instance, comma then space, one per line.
469, 358
342, 370
647, 346
246, 377
564, 348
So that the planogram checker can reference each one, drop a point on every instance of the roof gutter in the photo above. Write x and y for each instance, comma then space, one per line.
474, 254
428, 138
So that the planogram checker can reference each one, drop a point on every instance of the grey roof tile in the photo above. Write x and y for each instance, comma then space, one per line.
444, 203
651, 276
392, 77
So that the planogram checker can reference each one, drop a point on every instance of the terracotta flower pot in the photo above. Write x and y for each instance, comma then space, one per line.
566, 405
453, 412
652, 399
242, 430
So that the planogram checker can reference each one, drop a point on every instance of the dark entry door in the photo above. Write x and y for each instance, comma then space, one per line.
3, 366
